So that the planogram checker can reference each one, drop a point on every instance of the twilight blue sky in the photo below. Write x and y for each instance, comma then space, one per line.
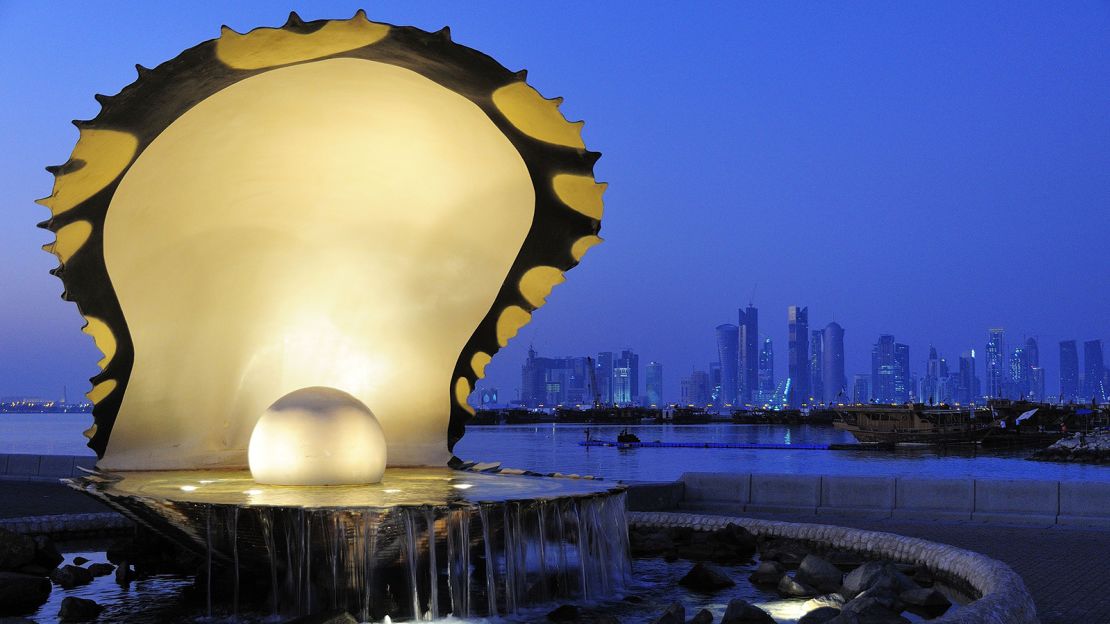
927, 169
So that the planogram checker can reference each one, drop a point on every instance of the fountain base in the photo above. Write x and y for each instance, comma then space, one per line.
424, 541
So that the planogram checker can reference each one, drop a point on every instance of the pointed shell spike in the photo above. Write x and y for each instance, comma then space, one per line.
294, 20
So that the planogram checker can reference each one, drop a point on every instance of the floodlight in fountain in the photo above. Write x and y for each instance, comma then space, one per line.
298, 248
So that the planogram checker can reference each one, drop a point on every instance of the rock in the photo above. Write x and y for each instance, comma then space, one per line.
101, 569
124, 573
768, 573
819, 615
876, 574
741, 612
46, 554
702, 617
33, 569
327, 617
675, 614
819, 574
834, 601
22, 593
844, 559
16, 620
928, 603
16, 550
871, 609
924, 577
786, 552
80, 561
564, 613
79, 609
649, 542
790, 587
633, 599
71, 576
705, 578
730, 544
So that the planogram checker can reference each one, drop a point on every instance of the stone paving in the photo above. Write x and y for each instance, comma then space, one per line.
1067, 570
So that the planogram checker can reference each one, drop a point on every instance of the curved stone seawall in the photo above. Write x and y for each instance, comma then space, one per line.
1003, 598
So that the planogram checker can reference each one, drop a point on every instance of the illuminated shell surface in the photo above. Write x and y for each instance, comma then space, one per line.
345, 204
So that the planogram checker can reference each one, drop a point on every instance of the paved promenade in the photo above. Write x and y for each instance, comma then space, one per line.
1067, 570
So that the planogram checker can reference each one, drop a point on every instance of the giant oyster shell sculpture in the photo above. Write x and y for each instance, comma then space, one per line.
345, 204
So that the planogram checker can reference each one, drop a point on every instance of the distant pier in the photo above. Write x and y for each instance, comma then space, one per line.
727, 445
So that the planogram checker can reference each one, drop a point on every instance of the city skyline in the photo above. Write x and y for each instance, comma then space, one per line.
925, 172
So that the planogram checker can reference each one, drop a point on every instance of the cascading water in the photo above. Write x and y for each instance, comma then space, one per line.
468, 553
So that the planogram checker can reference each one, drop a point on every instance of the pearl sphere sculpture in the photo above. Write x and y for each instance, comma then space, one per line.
317, 436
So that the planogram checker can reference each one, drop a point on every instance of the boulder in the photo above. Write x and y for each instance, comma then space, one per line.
869, 610
22, 593
844, 559
80, 561
71, 576
16, 550
46, 554
833, 601
730, 544
925, 602
675, 614
768, 573
788, 586
705, 578
646, 542
327, 617
820, 615
819, 574
741, 612
702, 617
79, 609
876, 574
101, 569
787, 552
124, 573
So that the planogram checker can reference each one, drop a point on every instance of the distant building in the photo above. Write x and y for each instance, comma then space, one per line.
1094, 372
1016, 385
728, 347
766, 372
714, 386
816, 363
996, 366
861, 389
603, 372
487, 397
797, 319
654, 384
968, 389
695, 389
1069, 372
1034, 374
554, 381
904, 381
749, 355
834, 382
930, 386
626, 378
882, 370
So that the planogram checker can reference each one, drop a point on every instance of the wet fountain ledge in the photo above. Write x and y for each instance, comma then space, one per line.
1002, 597
423, 542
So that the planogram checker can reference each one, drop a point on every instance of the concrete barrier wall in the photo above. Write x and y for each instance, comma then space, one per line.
18, 467
916, 498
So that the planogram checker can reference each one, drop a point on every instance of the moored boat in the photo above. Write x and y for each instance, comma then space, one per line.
914, 424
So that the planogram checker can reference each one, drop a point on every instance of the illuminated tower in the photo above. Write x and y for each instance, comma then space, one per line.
797, 319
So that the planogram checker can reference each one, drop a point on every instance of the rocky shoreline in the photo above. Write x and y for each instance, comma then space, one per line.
1084, 448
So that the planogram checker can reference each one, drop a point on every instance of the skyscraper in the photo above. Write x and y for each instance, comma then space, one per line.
816, 362
654, 383
996, 366
967, 388
861, 389
798, 357
766, 372
882, 370
904, 381
695, 388
604, 376
728, 347
1016, 385
834, 383
1034, 372
749, 354
554, 381
1094, 371
713, 392
931, 385
626, 378
1069, 371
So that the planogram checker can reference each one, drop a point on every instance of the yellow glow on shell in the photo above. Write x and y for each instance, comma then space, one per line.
537, 283
478, 363
462, 391
582, 245
102, 337
269, 47
69, 239
509, 323
537, 117
101, 390
581, 193
105, 154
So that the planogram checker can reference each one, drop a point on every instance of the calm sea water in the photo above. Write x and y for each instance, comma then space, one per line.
550, 448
